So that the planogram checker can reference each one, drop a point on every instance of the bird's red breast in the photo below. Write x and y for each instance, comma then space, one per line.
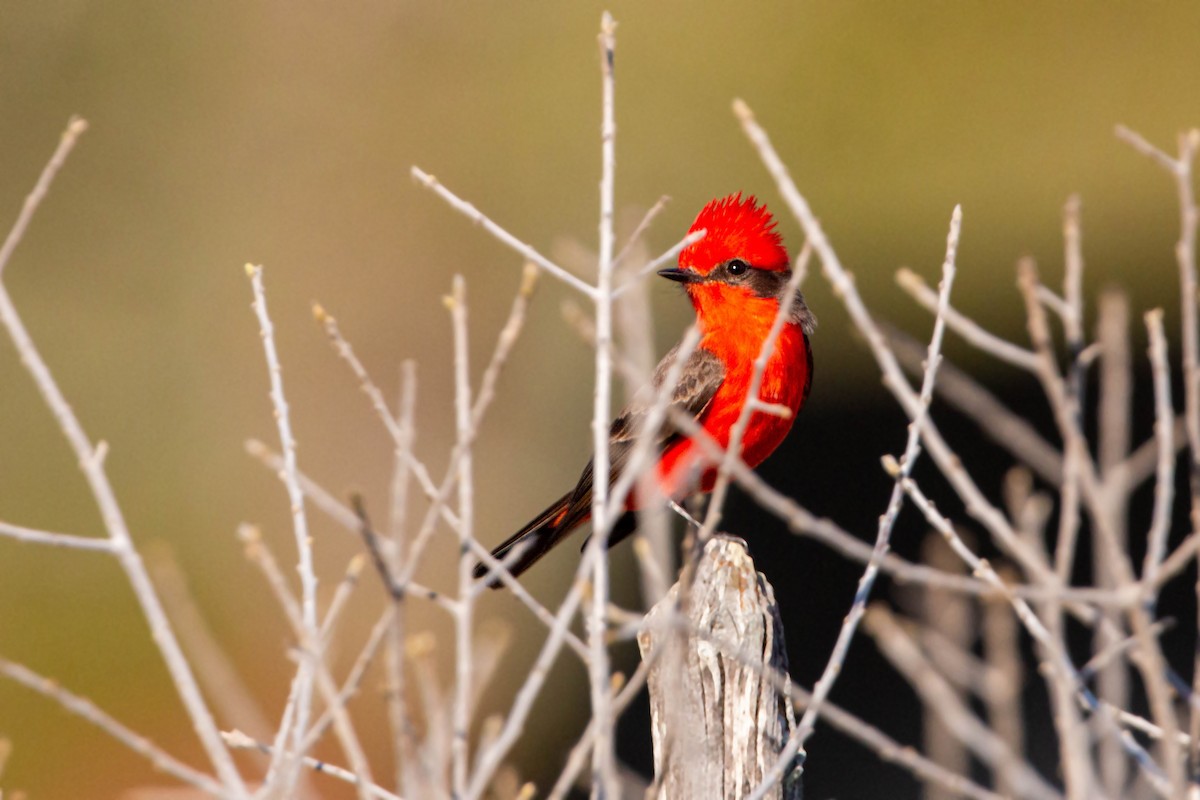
784, 381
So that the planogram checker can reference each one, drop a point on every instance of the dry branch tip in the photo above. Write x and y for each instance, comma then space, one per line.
890, 465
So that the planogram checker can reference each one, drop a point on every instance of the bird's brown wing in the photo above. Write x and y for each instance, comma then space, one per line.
699, 379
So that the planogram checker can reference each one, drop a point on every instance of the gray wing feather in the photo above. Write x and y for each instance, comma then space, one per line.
699, 380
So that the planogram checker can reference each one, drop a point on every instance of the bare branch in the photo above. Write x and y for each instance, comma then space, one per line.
969, 330
66, 143
1000, 424
300, 699
68, 540
604, 772
1164, 484
464, 608
82, 707
240, 741
513, 243
635, 238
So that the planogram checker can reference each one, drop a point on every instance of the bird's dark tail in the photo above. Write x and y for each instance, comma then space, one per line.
535, 539
545, 531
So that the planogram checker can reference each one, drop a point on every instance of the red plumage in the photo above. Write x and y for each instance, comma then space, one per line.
736, 228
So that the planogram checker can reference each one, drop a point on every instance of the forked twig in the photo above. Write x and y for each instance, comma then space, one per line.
299, 708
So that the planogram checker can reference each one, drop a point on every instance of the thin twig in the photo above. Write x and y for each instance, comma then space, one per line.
302, 696
1078, 474
653, 544
353, 680
1006, 428
369, 387
514, 723
1144, 725
635, 238
964, 326
946, 629
604, 771
68, 540
464, 609
82, 707
1114, 415
327, 504
440, 495
66, 143
240, 741
1119, 648
656, 264
402, 734
1003, 653
1164, 484
345, 588
475, 215
624, 695
1078, 776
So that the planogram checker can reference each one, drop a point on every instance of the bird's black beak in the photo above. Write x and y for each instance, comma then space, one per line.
680, 275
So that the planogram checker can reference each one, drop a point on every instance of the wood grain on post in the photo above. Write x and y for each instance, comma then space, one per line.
717, 714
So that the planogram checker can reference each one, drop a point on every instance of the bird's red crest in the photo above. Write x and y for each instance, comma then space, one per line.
736, 228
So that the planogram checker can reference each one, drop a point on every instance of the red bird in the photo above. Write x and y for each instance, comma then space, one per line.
736, 277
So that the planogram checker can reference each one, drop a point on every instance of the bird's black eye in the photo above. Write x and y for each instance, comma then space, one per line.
737, 267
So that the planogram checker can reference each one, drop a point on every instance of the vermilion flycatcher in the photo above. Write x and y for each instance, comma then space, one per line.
735, 277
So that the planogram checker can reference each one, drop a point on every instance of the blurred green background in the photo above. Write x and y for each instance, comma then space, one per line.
283, 134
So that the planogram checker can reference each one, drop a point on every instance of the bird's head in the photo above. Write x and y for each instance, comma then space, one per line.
739, 242
735, 229
740, 256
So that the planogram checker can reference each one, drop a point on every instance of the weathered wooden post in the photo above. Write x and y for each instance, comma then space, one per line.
718, 711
